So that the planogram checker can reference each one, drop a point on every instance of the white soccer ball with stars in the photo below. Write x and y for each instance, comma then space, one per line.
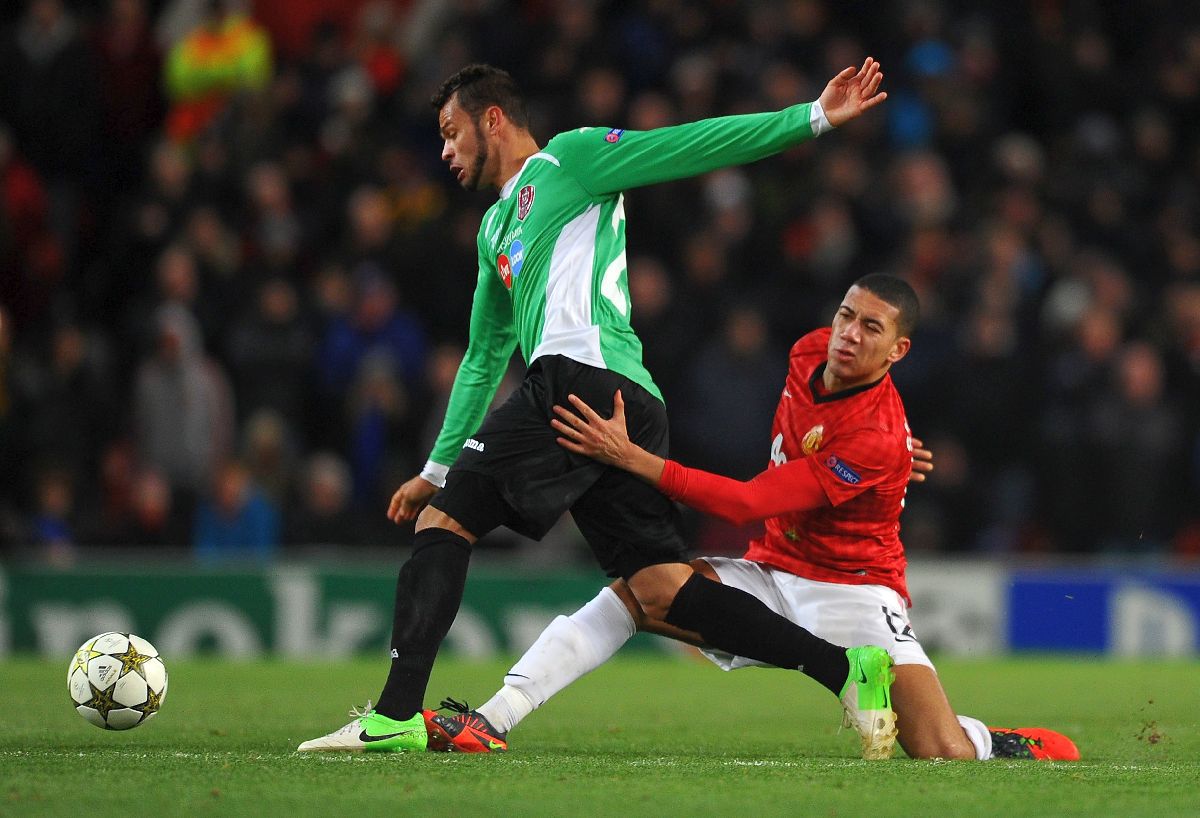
117, 680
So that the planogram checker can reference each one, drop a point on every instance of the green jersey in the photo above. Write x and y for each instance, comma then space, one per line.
552, 274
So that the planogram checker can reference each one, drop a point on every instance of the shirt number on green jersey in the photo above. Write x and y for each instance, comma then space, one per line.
610, 284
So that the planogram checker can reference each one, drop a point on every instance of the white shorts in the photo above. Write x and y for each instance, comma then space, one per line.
848, 615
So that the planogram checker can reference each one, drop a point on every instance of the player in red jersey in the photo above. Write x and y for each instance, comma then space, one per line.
830, 559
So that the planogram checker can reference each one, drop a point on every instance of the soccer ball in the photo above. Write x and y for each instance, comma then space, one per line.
117, 680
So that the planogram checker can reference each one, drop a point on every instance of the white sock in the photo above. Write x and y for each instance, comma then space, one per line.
979, 735
507, 707
569, 647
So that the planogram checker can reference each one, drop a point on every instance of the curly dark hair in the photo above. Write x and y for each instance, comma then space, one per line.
479, 86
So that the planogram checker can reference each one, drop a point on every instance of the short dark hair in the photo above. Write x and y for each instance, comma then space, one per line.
480, 86
898, 293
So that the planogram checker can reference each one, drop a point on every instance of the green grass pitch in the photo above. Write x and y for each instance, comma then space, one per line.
640, 736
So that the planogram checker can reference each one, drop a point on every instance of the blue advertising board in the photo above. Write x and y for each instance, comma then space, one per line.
1104, 610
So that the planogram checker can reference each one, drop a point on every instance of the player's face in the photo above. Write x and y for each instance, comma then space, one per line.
464, 146
865, 341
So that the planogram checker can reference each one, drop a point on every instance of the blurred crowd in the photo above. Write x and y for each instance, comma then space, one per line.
235, 278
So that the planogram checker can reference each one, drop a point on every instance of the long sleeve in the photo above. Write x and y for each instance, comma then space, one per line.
491, 344
779, 490
605, 162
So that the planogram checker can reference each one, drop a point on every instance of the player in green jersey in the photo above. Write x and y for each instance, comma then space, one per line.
552, 282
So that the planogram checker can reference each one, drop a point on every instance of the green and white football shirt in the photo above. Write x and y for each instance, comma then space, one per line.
552, 276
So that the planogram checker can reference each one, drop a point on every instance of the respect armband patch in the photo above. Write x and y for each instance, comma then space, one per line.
844, 472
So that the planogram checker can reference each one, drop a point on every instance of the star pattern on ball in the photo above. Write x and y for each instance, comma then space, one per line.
83, 656
131, 660
102, 700
151, 705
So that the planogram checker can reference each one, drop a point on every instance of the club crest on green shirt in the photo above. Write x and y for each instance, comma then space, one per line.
525, 201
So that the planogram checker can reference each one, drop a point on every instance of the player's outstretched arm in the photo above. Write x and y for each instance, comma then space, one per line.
585, 432
852, 93
791, 487
617, 160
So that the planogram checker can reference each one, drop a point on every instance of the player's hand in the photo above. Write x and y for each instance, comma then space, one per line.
410, 498
585, 432
922, 462
851, 93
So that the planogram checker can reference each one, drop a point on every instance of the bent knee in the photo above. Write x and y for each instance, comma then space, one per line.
655, 602
655, 587
704, 568
630, 601
431, 517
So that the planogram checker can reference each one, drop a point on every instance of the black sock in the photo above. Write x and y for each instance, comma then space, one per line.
428, 593
736, 622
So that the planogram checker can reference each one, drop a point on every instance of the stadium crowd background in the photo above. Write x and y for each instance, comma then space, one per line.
235, 277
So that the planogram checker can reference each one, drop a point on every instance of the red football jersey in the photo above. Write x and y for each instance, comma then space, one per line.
858, 444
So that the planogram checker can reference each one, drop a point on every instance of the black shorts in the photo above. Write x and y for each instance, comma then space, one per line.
512, 472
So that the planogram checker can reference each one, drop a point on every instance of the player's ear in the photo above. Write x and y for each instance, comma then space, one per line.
899, 349
492, 118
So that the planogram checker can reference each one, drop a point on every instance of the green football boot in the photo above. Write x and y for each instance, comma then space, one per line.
867, 701
372, 732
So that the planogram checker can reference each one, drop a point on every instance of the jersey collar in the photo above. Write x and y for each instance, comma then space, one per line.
820, 397
507, 188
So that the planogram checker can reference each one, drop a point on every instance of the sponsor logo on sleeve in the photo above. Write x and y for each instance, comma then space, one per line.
844, 472
614, 136
504, 267
516, 257
509, 264
525, 201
